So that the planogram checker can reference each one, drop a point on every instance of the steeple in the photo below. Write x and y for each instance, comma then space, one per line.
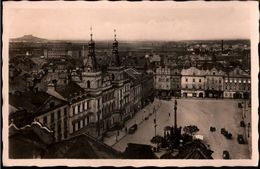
115, 55
91, 64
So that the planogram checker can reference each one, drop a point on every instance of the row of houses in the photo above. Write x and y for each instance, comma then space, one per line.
90, 101
193, 82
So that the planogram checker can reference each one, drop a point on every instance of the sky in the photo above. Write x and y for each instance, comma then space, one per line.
132, 21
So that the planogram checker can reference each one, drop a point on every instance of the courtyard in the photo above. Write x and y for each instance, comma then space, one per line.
203, 113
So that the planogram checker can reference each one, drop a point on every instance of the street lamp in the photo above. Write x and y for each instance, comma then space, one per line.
248, 126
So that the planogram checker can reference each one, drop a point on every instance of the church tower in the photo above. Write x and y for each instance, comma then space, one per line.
115, 60
92, 83
120, 83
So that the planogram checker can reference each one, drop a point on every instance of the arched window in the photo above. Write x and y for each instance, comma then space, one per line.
88, 84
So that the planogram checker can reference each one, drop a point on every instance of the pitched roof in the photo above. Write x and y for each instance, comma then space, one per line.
34, 102
139, 151
30, 100
27, 142
70, 89
81, 147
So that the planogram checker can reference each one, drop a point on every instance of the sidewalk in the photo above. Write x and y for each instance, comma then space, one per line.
246, 117
138, 119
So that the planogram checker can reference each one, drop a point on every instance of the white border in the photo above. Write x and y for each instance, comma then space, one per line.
137, 163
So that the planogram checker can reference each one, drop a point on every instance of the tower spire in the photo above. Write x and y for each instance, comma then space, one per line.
91, 33
115, 34
115, 56
91, 63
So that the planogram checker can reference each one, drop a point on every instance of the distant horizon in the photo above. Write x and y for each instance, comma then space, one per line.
147, 40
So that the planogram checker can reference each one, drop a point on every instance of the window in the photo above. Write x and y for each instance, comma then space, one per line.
83, 105
186, 79
52, 117
219, 81
73, 109
193, 80
87, 120
113, 77
88, 84
214, 73
78, 108
65, 112
186, 86
74, 127
78, 125
58, 114
199, 80
65, 134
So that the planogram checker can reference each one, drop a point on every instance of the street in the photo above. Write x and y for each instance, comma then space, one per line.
201, 112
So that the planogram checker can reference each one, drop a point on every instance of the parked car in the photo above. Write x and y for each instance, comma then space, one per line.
132, 129
226, 133
240, 139
225, 154
223, 131
242, 124
212, 129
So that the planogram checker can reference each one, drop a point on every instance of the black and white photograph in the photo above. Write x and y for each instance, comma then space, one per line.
130, 84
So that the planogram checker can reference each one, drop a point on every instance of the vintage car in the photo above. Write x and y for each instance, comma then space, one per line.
225, 154
212, 129
240, 139
242, 124
226, 133
223, 131
132, 129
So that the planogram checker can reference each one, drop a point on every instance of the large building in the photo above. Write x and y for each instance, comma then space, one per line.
80, 107
237, 84
57, 50
163, 81
167, 81
193, 82
214, 83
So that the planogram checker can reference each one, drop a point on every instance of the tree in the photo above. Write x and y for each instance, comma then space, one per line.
190, 130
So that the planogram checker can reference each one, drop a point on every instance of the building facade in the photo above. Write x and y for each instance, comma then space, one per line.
192, 82
163, 81
237, 84
214, 83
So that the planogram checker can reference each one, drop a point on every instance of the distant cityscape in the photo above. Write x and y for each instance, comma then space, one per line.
74, 94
